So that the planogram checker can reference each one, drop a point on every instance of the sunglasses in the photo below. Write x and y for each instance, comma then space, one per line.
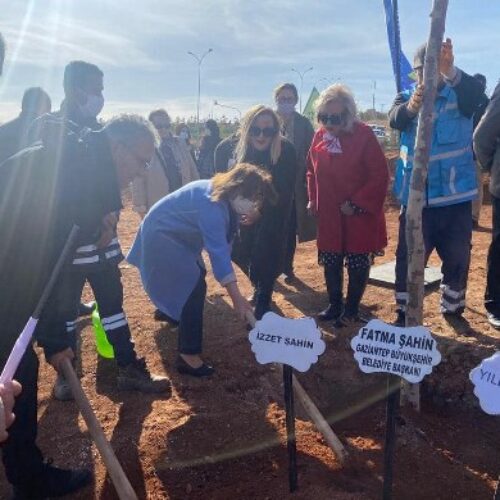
266, 131
330, 119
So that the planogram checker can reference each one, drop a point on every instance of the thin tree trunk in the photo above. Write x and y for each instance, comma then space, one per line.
414, 237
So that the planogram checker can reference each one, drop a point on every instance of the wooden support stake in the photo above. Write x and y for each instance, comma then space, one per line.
120, 481
414, 235
315, 415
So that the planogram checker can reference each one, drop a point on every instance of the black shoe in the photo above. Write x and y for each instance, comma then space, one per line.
331, 313
453, 314
53, 482
86, 309
186, 369
400, 318
137, 377
290, 278
494, 320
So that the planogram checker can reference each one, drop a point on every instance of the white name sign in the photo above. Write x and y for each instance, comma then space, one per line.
407, 352
294, 342
486, 380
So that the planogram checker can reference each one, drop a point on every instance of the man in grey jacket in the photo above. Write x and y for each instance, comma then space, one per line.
487, 149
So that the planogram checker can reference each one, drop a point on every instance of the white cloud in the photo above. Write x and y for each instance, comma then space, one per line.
142, 46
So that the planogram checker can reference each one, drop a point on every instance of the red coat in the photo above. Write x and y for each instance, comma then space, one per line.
358, 174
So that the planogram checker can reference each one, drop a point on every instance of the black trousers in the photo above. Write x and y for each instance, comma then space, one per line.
448, 230
492, 295
291, 246
21, 457
106, 284
191, 321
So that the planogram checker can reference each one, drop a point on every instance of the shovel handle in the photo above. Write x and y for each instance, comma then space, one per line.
120, 480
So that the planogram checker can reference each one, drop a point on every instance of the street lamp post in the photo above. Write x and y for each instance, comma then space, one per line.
199, 60
216, 103
301, 76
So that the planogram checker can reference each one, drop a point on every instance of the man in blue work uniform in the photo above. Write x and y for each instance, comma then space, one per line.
451, 180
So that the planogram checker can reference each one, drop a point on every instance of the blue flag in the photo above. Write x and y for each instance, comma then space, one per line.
403, 72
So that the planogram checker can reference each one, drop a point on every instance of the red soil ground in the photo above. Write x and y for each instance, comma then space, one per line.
223, 438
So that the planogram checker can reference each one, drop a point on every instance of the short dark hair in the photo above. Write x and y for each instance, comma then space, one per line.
76, 73
480, 78
158, 112
32, 99
213, 127
284, 86
2, 52
419, 57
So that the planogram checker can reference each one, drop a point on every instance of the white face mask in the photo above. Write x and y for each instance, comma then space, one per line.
93, 106
244, 206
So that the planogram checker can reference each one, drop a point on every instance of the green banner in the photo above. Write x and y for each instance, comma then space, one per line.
309, 109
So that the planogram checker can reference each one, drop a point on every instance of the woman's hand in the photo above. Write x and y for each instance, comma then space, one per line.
311, 209
249, 219
241, 305
346, 208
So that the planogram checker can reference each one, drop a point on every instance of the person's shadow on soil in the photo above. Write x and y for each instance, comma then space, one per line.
235, 427
61, 437
125, 441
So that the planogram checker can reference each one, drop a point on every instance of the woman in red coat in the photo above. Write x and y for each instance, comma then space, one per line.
347, 180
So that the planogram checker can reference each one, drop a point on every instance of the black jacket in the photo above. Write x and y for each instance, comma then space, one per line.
88, 257
14, 136
44, 190
205, 164
259, 250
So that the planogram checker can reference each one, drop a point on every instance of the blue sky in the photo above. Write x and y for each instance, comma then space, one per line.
142, 48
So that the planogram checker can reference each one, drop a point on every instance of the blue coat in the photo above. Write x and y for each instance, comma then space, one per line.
167, 249
451, 175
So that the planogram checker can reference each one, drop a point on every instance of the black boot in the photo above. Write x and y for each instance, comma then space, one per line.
53, 482
358, 279
334, 278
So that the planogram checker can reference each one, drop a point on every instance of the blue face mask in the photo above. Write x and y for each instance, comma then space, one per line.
286, 108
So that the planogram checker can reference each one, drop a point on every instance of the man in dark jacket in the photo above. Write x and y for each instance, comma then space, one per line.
14, 134
299, 131
46, 189
487, 149
97, 256
10, 390
451, 180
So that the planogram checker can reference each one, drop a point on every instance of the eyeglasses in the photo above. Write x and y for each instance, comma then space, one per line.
330, 119
266, 131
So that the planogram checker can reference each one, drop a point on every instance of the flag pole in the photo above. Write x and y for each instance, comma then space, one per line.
397, 44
